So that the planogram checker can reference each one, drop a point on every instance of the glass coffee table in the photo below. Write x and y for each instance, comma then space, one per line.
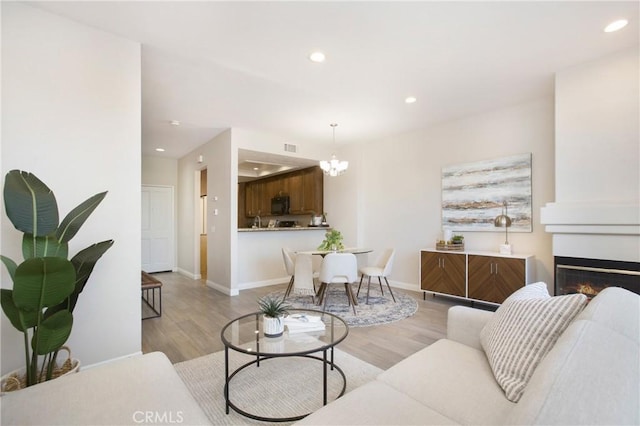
245, 335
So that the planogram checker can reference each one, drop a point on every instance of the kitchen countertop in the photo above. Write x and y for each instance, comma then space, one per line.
298, 228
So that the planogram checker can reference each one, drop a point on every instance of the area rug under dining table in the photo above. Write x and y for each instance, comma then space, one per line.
279, 387
380, 310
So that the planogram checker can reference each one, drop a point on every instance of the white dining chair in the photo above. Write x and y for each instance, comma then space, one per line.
382, 268
300, 267
338, 268
288, 257
303, 279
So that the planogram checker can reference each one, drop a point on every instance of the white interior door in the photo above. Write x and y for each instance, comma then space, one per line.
157, 229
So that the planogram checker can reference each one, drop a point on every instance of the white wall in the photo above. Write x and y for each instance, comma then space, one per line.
596, 213
398, 198
218, 160
344, 197
260, 254
159, 171
71, 114
598, 141
274, 144
390, 196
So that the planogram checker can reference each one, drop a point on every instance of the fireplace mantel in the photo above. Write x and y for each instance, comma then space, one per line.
594, 230
605, 218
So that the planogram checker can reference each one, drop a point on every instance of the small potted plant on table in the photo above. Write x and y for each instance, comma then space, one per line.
273, 311
332, 241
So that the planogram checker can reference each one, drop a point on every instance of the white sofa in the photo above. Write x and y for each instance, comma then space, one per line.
590, 376
142, 389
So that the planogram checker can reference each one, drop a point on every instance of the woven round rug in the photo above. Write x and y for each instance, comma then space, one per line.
380, 310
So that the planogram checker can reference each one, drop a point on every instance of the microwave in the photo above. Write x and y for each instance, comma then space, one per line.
280, 205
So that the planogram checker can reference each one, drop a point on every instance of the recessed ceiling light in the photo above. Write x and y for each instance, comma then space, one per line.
410, 99
616, 25
174, 122
160, 149
317, 57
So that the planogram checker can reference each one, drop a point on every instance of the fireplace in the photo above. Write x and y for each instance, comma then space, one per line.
590, 276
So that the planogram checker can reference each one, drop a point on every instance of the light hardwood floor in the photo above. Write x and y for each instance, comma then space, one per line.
193, 316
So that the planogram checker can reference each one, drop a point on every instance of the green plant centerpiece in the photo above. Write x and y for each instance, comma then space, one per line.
457, 239
273, 310
332, 241
46, 284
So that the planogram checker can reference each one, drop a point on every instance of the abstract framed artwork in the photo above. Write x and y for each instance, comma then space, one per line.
473, 194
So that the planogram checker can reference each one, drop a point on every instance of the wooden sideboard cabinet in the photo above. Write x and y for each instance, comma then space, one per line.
443, 273
493, 279
477, 276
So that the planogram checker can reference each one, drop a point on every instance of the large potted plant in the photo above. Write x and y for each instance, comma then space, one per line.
46, 284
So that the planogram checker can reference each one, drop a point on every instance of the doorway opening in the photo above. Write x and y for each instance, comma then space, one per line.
158, 245
203, 225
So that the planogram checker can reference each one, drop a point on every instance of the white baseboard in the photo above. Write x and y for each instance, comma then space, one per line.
275, 281
264, 283
402, 285
223, 289
187, 274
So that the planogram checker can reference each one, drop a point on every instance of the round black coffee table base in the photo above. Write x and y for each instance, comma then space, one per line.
238, 410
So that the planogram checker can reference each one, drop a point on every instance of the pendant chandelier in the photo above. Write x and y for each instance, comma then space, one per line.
334, 167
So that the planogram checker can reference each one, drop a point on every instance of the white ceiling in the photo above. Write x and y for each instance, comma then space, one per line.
216, 65
254, 165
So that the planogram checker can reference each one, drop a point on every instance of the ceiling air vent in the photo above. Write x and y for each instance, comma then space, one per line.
290, 148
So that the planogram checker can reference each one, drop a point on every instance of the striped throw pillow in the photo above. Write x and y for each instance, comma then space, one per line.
521, 333
530, 291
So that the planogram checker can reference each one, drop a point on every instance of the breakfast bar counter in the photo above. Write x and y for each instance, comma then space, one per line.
293, 228
259, 257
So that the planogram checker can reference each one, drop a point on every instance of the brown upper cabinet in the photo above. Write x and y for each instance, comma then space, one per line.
305, 189
253, 198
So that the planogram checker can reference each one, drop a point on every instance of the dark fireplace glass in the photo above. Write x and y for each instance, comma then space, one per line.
590, 276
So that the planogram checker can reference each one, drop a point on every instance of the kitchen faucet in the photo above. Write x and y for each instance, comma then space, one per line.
258, 221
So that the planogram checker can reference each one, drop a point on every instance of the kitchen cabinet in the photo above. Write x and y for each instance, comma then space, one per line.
306, 191
253, 198
477, 276
493, 279
443, 273
304, 187
312, 179
264, 202
296, 200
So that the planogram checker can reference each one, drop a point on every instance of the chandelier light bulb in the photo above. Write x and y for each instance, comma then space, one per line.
334, 167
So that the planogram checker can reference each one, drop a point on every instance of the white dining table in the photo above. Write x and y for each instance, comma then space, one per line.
323, 253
